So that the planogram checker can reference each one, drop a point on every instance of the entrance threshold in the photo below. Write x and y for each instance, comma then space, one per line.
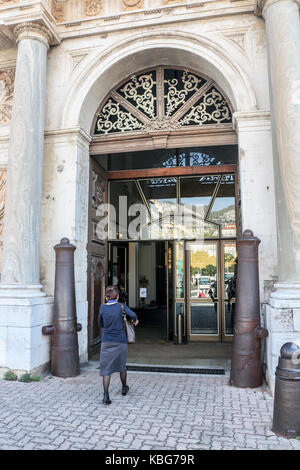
176, 369
194, 356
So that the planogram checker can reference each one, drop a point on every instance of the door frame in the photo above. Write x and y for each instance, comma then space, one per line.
96, 257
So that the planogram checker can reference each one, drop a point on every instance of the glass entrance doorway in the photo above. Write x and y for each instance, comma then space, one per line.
162, 280
143, 273
170, 233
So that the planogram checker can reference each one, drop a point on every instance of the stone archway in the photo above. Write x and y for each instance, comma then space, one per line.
95, 76
216, 58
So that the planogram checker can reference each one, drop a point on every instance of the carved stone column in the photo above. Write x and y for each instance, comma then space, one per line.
283, 42
21, 236
283, 37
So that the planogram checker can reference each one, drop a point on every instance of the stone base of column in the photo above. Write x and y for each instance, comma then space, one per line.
21, 291
283, 323
23, 348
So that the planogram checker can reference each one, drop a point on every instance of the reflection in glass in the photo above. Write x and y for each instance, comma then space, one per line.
211, 230
169, 158
195, 196
230, 257
148, 209
197, 191
223, 209
123, 194
203, 271
179, 270
204, 319
161, 198
160, 191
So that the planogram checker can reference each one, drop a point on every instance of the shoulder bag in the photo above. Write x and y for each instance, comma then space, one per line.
128, 327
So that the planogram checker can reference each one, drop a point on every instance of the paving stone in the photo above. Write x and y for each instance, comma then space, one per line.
161, 411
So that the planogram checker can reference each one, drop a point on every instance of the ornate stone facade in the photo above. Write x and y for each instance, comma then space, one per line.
93, 7
98, 44
58, 10
7, 79
128, 5
33, 31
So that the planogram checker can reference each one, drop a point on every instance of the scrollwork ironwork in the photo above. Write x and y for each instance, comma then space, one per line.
140, 92
178, 90
113, 118
163, 100
211, 109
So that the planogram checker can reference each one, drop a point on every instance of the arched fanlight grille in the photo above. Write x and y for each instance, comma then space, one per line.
163, 99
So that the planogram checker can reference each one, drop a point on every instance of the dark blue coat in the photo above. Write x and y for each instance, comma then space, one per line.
110, 318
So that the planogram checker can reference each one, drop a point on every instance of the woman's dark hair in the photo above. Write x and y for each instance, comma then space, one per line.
111, 292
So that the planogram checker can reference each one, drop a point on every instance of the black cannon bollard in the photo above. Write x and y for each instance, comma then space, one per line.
286, 415
246, 367
64, 356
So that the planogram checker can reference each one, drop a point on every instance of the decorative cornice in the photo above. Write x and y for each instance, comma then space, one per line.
30, 30
65, 134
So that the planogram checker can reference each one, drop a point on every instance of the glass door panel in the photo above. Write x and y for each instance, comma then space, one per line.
204, 318
203, 290
203, 271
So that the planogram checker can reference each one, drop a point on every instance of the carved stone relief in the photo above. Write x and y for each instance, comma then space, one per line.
7, 79
98, 190
128, 5
93, 7
58, 10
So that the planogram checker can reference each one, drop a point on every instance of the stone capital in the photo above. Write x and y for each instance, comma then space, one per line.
30, 30
262, 6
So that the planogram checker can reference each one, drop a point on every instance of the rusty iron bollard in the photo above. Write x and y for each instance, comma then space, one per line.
246, 367
64, 355
286, 415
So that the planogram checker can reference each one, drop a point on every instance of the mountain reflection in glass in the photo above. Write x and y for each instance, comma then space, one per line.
223, 208
177, 208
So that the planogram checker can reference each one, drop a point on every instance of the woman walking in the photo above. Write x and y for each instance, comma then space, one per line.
113, 342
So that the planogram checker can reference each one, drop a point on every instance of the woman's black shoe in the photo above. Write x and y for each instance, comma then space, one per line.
125, 390
106, 400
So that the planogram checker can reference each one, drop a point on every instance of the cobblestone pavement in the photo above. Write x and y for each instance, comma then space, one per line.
161, 411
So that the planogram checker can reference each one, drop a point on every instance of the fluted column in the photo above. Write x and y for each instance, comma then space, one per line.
21, 238
283, 39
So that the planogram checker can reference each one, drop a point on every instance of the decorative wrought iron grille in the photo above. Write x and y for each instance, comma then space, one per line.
163, 99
